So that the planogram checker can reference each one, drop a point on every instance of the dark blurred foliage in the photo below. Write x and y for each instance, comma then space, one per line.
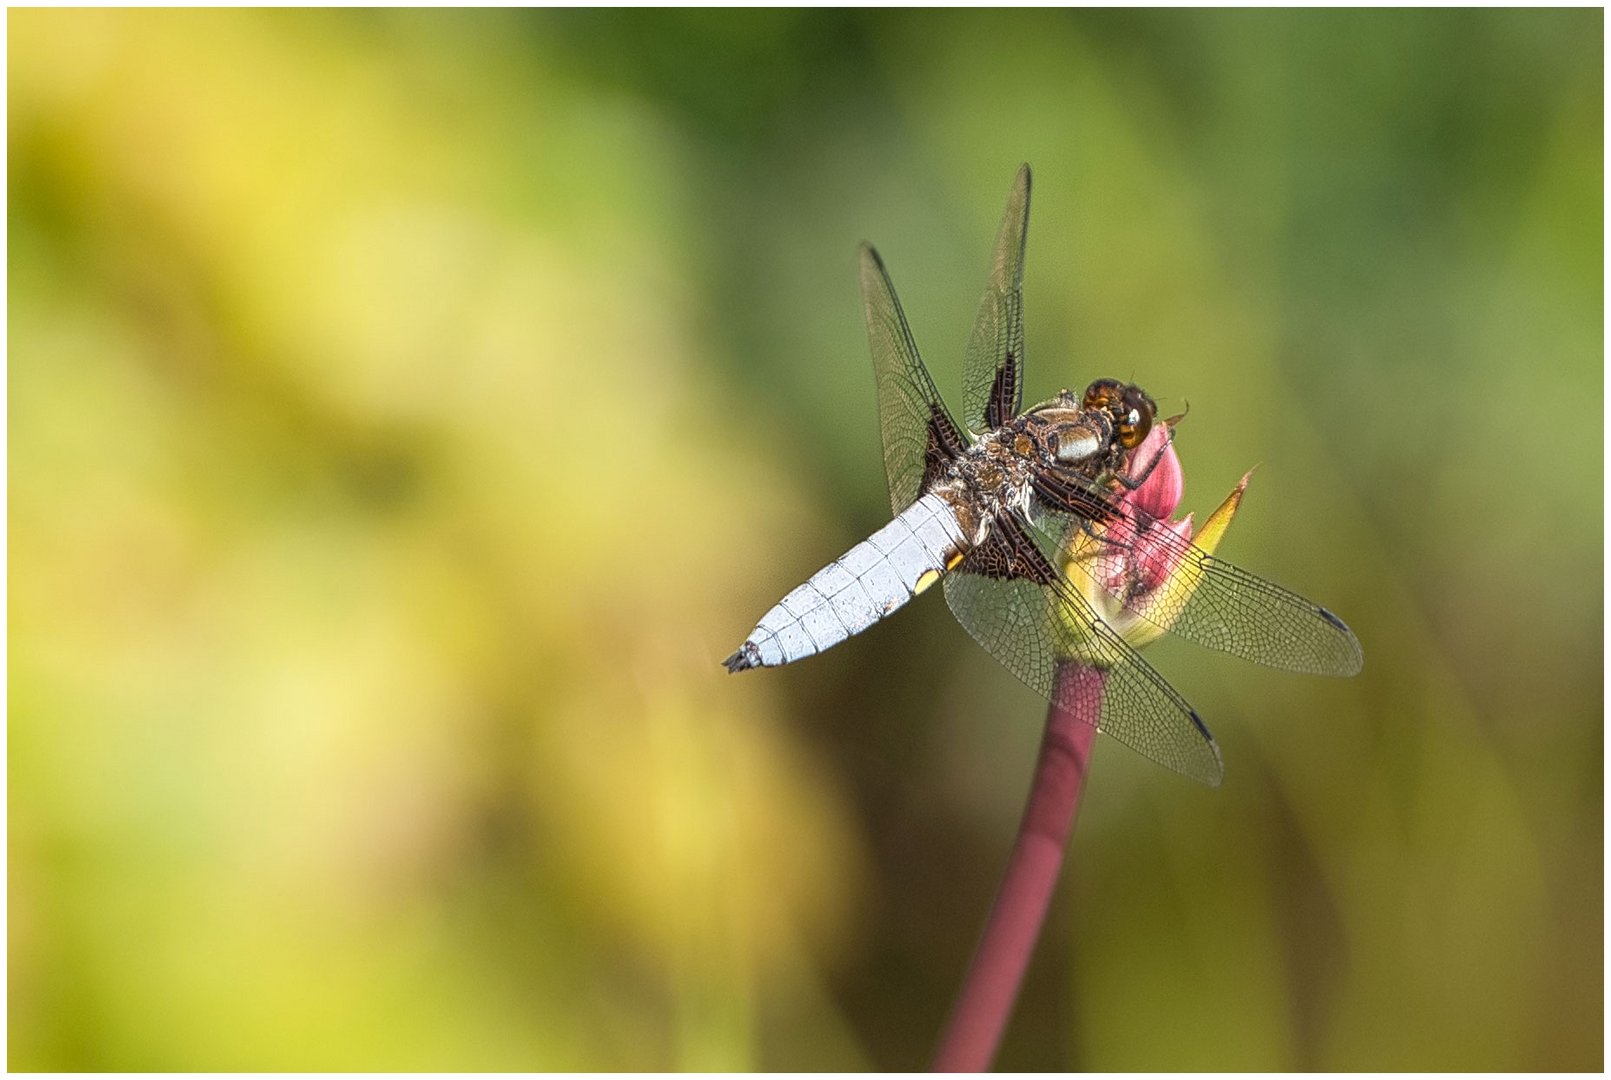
409, 409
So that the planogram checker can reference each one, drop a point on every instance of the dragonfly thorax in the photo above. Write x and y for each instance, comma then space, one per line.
1087, 439
1092, 434
993, 477
1070, 436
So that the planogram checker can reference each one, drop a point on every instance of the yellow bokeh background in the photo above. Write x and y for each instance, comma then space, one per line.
408, 411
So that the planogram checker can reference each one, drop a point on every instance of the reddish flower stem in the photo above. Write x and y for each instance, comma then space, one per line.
991, 987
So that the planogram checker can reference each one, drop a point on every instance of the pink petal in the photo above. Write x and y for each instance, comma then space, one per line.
1160, 494
1158, 552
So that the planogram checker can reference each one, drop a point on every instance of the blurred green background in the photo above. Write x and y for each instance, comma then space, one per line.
409, 410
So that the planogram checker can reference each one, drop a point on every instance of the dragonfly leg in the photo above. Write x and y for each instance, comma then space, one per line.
1088, 528
1134, 482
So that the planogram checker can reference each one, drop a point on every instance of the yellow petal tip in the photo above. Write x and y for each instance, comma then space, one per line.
1215, 524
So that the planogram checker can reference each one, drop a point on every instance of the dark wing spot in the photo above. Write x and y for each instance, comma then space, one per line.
945, 445
1333, 620
1000, 407
1008, 553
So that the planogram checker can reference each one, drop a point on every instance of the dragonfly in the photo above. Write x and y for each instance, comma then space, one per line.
992, 507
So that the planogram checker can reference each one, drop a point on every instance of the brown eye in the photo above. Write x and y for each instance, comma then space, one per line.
1133, 428
1102, 393
1136, 422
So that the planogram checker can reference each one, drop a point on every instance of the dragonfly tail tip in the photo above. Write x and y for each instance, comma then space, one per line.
742, 659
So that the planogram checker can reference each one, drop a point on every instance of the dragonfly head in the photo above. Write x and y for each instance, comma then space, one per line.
1127, 405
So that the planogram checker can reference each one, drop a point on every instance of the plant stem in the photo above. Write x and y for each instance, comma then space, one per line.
991, 987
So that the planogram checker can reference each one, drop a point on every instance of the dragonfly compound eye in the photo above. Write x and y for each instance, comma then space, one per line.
1136, 420
1103, 394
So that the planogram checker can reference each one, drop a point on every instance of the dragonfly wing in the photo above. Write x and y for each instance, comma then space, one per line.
993, 367
1010, 597
920, 437
1214, 603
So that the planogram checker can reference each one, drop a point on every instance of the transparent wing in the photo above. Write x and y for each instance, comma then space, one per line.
1221, 606
919, 435
1048, 636
993, 368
